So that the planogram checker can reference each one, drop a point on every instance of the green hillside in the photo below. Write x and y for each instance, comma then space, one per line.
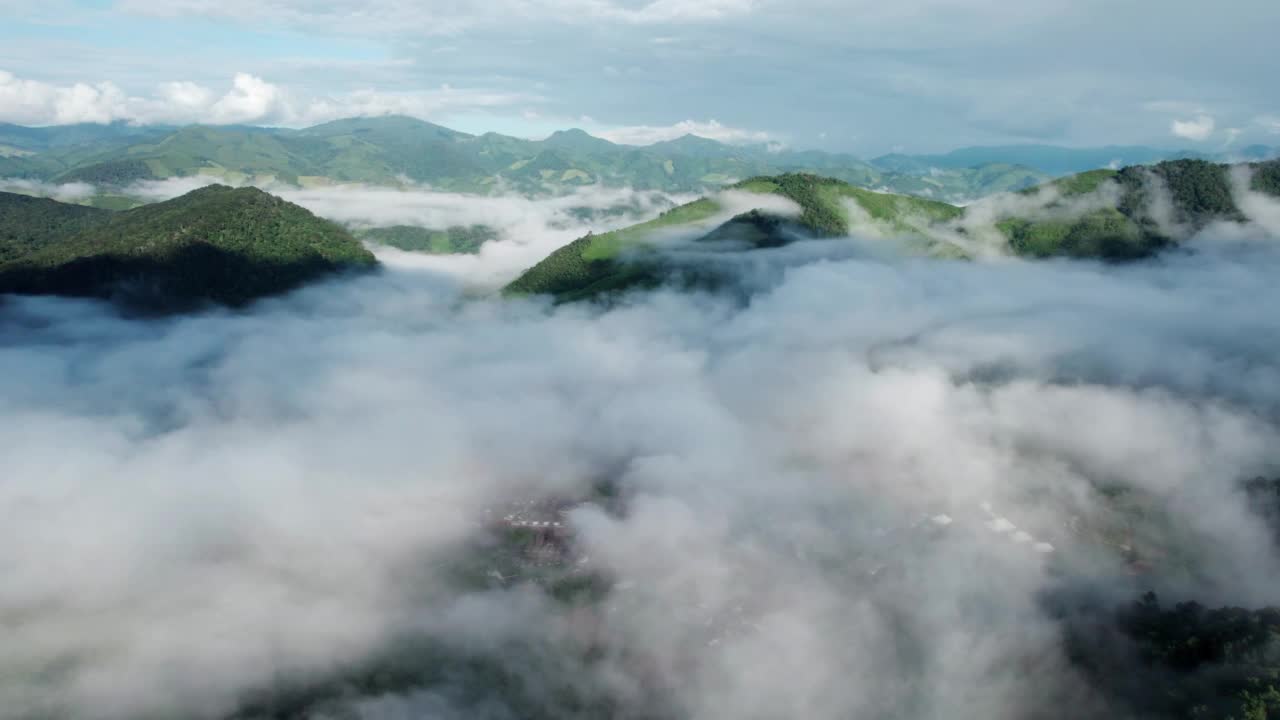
28, 223
1198, 192
1101, 214
216, 244
452, 240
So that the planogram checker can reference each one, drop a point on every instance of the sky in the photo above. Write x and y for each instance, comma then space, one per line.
848, 75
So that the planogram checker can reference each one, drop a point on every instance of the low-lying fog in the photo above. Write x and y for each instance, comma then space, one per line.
844, 498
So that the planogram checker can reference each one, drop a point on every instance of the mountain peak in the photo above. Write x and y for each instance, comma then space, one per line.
381, 124
576, 138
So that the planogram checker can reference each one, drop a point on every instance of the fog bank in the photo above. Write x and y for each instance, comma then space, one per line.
845, 497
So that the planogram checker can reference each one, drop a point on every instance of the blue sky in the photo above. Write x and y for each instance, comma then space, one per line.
867, 77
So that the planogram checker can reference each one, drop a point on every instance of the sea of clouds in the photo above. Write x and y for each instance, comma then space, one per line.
847, 493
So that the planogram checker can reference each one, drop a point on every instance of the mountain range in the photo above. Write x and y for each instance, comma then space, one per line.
394, 150
1058, 161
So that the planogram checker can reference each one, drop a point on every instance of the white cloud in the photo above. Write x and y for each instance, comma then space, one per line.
250, 99
66, 192
1198, 128
36, 103
712, 129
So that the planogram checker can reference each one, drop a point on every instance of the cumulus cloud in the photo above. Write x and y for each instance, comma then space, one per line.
712, 129
869, 474
36, 103
1198, 128
250, 99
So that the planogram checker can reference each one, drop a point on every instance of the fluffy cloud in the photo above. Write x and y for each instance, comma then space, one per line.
250, 99
36, 103
1198, 128
713, 129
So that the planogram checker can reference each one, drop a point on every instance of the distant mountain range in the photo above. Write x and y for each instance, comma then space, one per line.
1057, 161
396, 150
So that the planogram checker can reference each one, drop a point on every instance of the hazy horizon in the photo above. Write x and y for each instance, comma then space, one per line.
922, 76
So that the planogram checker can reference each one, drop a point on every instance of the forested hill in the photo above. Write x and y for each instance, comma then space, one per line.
1105, 214
216, 244
29, 223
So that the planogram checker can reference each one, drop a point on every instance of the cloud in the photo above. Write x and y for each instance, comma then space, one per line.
528, 229
1198, 128
250, 99
712, 129
285, 507
65, 192
928, 75
36, 103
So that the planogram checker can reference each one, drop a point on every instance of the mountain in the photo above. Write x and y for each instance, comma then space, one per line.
216, 244
626, 258
1102, 214
577, 140
689, 145
394, 150
1057, 161
1149, 208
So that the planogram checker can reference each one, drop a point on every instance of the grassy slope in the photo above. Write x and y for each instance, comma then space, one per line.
214, 244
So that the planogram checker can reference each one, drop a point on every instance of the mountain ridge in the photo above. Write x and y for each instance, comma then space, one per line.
391, 149
1121, 215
